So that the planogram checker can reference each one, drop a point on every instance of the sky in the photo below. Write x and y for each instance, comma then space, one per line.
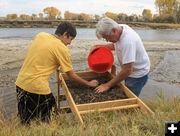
92, 7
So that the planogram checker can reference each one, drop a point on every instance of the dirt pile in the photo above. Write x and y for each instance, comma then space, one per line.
84, 94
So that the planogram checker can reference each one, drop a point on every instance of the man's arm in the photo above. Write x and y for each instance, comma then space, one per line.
109, 46
127, 69
75, 78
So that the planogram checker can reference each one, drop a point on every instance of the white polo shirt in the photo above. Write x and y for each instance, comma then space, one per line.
129, 49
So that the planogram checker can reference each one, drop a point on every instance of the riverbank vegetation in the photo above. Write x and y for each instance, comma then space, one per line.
125, 123
168, 12
80, 24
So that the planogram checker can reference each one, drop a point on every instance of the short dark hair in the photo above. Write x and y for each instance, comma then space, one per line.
66, 27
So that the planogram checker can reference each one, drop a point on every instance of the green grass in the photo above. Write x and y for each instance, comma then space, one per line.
118, 123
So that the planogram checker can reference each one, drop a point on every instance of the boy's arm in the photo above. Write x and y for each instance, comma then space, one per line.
75, 78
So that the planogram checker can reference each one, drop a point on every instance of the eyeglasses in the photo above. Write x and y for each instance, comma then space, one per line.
106, 38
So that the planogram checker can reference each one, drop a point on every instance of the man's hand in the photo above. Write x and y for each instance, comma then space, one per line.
102, 88
93, 83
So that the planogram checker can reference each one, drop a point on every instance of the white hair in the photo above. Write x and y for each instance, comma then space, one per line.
105, 26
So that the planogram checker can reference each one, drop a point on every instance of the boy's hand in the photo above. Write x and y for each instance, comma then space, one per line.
59, 69
93, 83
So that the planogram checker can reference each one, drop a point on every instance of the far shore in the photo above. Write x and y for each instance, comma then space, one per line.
79, 23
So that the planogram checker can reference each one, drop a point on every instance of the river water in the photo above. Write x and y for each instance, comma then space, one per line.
89, 33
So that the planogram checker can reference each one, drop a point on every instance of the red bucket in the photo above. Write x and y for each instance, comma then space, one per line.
100, 59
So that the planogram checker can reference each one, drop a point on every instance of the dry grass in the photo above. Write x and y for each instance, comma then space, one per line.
125, 123
163, 25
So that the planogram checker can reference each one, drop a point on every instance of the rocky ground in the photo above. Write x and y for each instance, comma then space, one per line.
83, 94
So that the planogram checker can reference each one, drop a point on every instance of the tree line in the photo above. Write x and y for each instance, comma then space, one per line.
168, 12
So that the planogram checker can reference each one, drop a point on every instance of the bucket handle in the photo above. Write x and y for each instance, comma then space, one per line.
94, 51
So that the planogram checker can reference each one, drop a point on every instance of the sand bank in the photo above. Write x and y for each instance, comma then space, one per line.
12, 52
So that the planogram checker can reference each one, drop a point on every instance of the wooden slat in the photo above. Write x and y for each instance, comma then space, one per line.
129, 94
144, 108
132, 102
106, 104
65, 109
70, 101
86, 75
57, 90
111, 109
101, 105
62, 97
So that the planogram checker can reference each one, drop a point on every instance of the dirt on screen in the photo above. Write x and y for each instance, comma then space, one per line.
83, 94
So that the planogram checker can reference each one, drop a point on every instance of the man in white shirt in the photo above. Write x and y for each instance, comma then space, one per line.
130, 52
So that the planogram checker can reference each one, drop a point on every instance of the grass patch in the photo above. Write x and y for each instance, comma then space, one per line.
163, 26
124, 122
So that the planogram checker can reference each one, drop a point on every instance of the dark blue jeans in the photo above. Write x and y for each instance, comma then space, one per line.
136, 84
